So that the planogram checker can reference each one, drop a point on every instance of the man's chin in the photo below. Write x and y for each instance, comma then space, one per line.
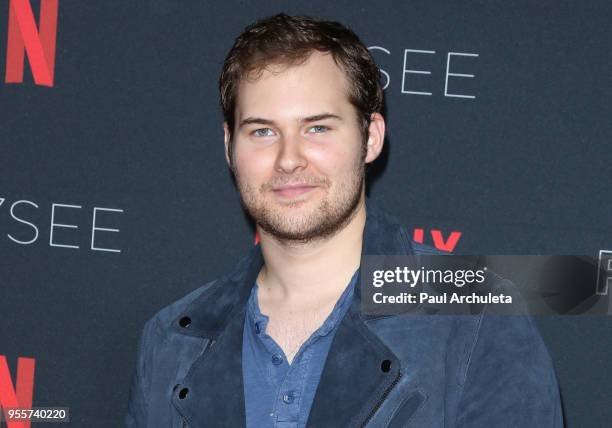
284, 224
307, 226
291, 234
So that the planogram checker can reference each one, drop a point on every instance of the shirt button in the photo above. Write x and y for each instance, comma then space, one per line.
288, 397
277, 359
257, 329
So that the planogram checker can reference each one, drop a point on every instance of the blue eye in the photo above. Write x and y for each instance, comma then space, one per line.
262, 132
319, 128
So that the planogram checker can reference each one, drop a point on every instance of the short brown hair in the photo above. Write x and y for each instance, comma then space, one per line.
284, 39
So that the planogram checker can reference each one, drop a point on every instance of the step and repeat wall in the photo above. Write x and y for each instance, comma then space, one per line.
115, 197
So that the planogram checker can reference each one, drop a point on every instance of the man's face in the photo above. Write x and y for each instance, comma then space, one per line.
298, 158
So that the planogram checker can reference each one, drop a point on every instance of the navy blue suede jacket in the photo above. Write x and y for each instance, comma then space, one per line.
394, 371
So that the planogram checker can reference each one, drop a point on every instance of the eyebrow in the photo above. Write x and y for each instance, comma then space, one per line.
309, 119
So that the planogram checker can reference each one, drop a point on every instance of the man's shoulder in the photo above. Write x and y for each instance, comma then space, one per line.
169, 313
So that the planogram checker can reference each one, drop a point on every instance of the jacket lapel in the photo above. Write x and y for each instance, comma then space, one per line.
360, 370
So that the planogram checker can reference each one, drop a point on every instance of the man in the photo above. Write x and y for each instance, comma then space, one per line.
281, 341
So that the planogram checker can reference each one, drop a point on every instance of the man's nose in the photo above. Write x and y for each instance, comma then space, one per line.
291, 154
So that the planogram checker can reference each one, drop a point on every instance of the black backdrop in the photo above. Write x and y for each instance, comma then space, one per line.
515, 159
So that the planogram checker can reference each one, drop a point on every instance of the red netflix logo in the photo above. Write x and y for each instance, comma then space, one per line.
19, 395
25, 38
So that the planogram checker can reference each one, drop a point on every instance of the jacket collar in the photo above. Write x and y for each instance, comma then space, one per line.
359, 371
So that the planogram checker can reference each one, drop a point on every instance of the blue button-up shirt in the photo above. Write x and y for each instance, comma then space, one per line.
278, 394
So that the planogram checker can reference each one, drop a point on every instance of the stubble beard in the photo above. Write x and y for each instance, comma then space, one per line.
332, 213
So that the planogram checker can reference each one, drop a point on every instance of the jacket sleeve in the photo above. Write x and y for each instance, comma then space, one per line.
137, 405
509, 379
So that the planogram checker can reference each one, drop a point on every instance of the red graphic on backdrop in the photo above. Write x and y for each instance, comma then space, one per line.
21, 394
438, 240
39, 43
418, 235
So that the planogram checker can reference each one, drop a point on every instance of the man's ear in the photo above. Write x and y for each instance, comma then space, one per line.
226, 140
376, 137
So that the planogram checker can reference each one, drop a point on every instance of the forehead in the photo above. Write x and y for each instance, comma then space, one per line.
281, 91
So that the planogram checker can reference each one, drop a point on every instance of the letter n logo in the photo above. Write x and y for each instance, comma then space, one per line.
38, 43
21, 394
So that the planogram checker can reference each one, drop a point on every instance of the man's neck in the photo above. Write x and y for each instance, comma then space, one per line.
316, 270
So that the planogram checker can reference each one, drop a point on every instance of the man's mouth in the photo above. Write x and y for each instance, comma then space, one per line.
292, 191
